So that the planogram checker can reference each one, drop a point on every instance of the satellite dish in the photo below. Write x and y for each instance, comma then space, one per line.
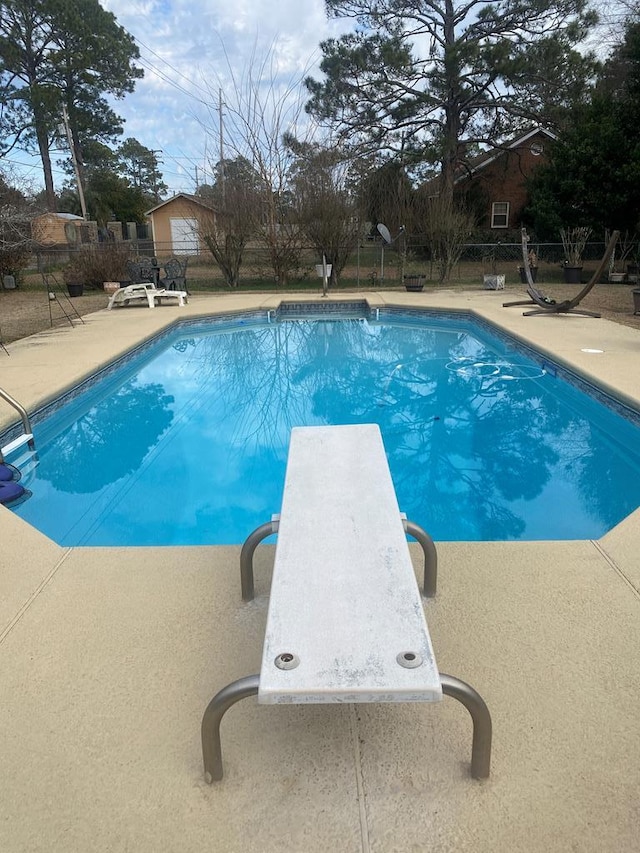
384, 232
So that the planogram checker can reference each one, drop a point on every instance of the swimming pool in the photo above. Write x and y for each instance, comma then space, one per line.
186, 442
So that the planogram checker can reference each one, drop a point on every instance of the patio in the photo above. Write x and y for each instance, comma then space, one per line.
110, 655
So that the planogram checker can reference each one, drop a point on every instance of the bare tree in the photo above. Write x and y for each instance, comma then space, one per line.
225, 243
260, 109
612, 20
448, 227
16, 214
227, 228
327, 206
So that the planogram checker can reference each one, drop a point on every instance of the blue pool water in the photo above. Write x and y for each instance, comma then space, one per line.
187, 442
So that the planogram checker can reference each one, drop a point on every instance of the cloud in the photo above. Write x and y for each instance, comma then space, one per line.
190, 49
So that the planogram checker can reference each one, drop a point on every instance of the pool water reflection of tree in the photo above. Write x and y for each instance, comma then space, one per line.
482, 444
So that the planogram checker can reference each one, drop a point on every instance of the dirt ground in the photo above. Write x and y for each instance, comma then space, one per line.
25, 312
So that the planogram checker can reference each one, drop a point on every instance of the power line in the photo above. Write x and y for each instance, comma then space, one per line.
171, 82
28, 165
163, 76
172, 67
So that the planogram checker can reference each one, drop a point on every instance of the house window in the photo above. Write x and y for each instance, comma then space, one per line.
500, 214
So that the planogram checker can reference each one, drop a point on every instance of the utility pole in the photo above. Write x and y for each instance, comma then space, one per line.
222, 187
154, 163
67, 129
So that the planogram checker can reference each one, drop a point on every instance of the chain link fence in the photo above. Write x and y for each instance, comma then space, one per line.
372, 264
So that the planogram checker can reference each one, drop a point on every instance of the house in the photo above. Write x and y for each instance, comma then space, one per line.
497, 180
175, 224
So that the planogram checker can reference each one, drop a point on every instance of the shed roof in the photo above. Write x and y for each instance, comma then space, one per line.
187, 196
68, 217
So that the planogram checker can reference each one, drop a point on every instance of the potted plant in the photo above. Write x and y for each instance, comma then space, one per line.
73, 275
533, 267
96, 263
574, 241
624, 247
633, 263
414, 283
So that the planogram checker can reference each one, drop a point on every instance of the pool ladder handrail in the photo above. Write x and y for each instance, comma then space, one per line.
27, 436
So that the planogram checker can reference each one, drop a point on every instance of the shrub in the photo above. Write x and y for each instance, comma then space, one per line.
13, 259
96, 263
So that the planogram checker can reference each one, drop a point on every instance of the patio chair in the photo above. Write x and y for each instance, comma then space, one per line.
140, 271
567, 306
135, 294
175, 277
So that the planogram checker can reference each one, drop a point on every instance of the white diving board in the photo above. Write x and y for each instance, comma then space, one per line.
344, 600
346, 620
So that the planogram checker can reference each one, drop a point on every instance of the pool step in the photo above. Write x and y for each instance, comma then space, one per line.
26, 464
16, 443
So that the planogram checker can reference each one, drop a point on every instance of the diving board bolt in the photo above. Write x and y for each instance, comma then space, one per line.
409, 660
287, 660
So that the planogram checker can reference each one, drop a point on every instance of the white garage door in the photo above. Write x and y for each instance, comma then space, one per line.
184, 236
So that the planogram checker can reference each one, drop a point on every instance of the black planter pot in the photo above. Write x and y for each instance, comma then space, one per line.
75, 289
414, 283
523, 274
572, 275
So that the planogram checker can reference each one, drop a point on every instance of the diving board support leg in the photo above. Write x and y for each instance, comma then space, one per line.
482, 729
210, 729
246, 555
430, 554
268, 528
248, 686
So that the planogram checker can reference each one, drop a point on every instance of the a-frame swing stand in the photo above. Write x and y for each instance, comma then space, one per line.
567, 306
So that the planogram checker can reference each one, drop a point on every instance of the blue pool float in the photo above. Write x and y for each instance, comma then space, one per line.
8, 472
10, 489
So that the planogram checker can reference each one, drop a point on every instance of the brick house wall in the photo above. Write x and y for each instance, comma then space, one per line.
500, 179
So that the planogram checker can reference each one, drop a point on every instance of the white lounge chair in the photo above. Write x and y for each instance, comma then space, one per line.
133, 293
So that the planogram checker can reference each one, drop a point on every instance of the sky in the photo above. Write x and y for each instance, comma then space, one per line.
189, 50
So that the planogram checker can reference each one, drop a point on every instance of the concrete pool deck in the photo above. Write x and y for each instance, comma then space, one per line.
108, 657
